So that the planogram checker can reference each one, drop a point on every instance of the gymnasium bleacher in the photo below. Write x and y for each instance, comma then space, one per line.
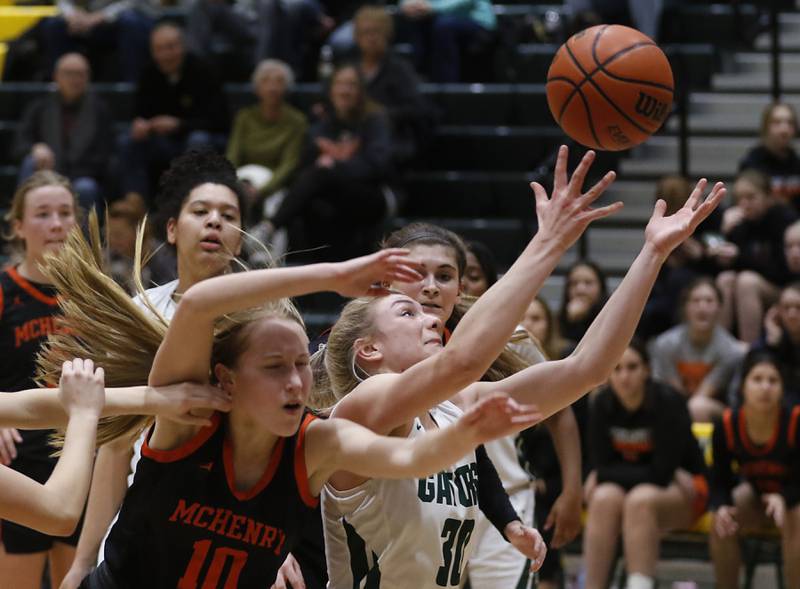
495, 136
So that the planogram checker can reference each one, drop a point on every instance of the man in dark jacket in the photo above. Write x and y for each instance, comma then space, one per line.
180, 105
67, 131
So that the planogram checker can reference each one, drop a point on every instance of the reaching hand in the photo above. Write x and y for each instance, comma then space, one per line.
81, 387
178, 401
565, 515
498, 415
725, 521
567, 213
371, 275
666, 233
528, 541
775, 508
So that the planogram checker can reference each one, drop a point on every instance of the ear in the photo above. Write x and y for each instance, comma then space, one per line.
225, 377
172, 224
16, 226
367, 350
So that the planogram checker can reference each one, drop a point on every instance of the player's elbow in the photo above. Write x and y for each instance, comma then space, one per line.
62, 523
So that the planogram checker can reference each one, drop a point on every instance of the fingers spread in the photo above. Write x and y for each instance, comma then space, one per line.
579, 175
560, 173
599, 188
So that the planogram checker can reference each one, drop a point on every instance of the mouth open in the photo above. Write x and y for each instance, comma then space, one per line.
293, 407
211, 243
432, 306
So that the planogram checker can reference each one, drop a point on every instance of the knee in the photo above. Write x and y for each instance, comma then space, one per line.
726, 281
640, 501
607, 496
748, 282
703, 409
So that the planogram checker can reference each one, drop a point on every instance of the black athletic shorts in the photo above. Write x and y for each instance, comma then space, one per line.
18, 539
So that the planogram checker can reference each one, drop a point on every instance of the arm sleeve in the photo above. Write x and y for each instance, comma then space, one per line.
492, 497
290, 159
448, 6
722, 478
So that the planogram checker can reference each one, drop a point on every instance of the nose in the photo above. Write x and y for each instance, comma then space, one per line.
432, 321
429, 285
214, 219
294, 383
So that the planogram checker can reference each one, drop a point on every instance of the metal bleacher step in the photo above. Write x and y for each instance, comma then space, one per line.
712, 157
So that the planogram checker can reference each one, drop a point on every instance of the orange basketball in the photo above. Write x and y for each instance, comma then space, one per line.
609, 87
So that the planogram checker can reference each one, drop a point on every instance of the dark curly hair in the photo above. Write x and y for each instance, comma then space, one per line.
187, 172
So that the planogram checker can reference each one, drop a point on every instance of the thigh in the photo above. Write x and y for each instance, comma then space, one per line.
21, 571
61, 556
673, 508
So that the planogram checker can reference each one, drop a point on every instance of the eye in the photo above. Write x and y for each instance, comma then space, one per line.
229, 217
406, 313
444, 277
199, 212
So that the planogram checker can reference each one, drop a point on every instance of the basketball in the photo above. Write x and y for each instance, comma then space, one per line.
609, 87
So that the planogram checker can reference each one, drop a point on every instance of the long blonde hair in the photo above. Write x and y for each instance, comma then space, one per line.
105, 325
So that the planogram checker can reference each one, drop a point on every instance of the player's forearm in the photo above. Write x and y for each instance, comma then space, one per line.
67, 487
610, 333
109, 484
488, 325
225, 294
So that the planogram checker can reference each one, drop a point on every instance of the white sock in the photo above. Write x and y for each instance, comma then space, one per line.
640, 581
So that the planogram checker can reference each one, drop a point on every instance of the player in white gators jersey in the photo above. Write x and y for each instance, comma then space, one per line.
404, 533
387, 365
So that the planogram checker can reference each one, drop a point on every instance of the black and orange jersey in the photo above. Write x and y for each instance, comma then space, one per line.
184, 524
27, 317
773, 467
646, 445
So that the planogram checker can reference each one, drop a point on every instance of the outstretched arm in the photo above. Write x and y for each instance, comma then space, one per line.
338, 444
41, 408
554, 385
56, 506
385, 402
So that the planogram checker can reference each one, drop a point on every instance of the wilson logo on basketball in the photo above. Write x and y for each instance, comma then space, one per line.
650, 107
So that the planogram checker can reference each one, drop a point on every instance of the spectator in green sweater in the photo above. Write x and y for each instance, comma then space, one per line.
269, 134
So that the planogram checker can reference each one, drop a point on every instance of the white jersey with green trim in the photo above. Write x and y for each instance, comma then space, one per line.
396, 534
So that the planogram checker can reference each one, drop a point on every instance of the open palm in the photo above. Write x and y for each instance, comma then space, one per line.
665, 233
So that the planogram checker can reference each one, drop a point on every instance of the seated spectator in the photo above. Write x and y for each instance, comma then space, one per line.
346, 163
782, 338
392, 82
751, 258
698, 357
775, 156
179, 105
755, 480
255, 30
584, 294
541, 324
687, 262
643, 15
268, 134
68, 132
100, 27
440, 29
791, 250
647, 472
